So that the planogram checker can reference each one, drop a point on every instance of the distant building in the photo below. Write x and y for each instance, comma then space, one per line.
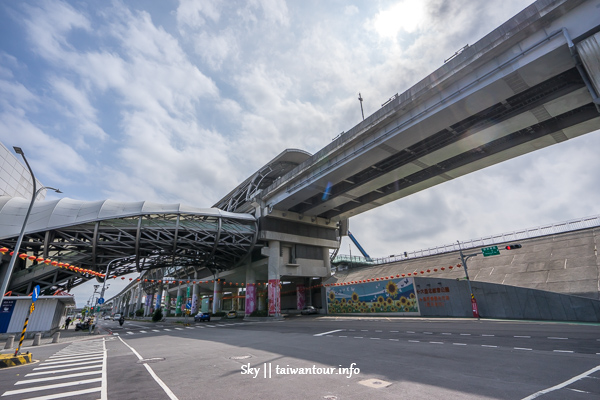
15, 179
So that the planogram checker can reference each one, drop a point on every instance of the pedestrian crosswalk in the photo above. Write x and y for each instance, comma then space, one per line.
78, 370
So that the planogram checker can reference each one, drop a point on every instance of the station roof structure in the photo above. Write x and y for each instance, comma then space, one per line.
129, 235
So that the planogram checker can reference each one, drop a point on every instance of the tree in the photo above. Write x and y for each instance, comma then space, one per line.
158, 315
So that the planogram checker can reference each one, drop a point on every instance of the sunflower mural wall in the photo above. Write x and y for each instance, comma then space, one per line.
386, 296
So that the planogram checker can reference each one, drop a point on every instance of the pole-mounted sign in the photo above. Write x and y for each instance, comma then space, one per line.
34, 296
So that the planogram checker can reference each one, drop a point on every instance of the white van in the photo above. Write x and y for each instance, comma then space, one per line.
116, 317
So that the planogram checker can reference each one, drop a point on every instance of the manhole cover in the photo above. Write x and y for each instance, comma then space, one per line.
150, 360
375, 383
239, 357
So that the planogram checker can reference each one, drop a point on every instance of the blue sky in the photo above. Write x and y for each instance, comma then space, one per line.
179, 101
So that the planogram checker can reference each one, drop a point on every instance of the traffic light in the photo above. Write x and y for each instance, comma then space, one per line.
513, 246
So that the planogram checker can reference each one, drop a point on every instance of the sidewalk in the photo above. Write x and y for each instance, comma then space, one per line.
66, 336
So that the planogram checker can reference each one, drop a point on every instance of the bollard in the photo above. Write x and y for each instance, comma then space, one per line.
56, 337
36, 339
9, 342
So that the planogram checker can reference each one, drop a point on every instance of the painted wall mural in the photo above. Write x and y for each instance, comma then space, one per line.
386, 296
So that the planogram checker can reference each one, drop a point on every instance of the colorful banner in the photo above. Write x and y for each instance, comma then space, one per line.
250, 298
274, 297
6, 312
390, 296
300, 297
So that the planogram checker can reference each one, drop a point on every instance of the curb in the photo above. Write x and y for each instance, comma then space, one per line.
7, 360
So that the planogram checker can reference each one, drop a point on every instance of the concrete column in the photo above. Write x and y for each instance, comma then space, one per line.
217, 296
179, 301
140, 294
195, 296
326, 260
273, 268
300, 296
250, 290
159, 294
167, 307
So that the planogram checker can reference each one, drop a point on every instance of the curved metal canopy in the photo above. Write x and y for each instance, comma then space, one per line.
130, 236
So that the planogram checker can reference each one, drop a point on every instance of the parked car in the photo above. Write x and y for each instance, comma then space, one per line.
232, 314
309, 310
202, 316
116, 317
107, 317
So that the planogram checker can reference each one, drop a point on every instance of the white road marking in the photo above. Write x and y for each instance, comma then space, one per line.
129, 333
563, 351
54, 386
487, 345
75, 355
446, 334
143, 332
394, 331
409, 332
465, 334
342, 336
115, 334
327, 333
395, 340
459, 344
374, 338
179, 329
414, 341
156, 378
562, 385
155, 330
521, 348
437, 342
189, 327
358, 337
168, 330
558, 338
67, 394
526, 337
366, 330
68, 365
60, 371
428, 333
378, 331
72, 360
487, 335
52, 378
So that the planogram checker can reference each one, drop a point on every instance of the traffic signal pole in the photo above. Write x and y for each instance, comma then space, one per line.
463, 259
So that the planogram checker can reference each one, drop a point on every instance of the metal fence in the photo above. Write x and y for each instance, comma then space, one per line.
544, 230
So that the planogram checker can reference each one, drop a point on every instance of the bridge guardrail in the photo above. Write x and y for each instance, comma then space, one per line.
539, 231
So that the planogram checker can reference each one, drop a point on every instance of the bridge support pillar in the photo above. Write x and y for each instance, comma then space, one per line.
178, 302
195, 295
217, 296
274, 292
159, 295
167, 305
250, 305
140, 294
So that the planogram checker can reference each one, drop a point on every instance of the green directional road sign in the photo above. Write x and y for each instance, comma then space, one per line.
490, 251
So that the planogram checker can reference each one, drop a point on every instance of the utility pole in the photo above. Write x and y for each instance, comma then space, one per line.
361, 107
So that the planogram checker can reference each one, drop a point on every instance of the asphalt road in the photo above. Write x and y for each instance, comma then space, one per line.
313, 357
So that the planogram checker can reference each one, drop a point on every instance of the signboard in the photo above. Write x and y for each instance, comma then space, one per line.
6, 313
36, 293
490, 251
101, 300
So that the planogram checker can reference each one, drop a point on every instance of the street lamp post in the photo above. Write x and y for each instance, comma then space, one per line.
106, 275
13, 259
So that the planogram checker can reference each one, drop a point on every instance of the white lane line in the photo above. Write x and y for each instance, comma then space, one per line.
68, 365
395, 340
428, 333
378, 331
115, 334
409, 332
53, 378
358, 337
54, 386
342, 336
143, 332
179, 329
77, 355
487, 335
487, 345
72, 361
67, 394
351, 330
526, 337
189, 327
210, 326
151, 371
327, 333
155, 330
129, 333
521, 348
168, 330
563, 351
60, 371
459, 344
465, 334
374, 338
446, 333
104, 391
558, 338
562, 385
437, 342
366, 330
394, 331
414, 341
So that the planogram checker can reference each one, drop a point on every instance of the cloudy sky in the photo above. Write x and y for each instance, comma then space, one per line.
179, 101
